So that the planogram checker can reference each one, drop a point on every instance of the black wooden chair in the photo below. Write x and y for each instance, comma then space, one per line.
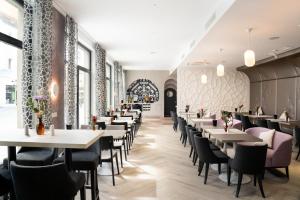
262, 123
189, 129
46, 182
273, 125
297, 136
127, 137
107, 154
207, 156
182, 124
6, 185
86, 160
248, 160
246, 122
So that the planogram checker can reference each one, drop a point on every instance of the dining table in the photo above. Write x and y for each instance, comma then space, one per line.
200, 122
233, 136
187, 115
65, 139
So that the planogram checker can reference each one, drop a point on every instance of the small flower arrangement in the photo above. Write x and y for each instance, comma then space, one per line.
187, 108
227, 118
240, 107
94, 121
38, 104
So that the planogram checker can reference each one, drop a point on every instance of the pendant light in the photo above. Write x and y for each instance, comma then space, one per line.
220, 67
204, 79
249, 55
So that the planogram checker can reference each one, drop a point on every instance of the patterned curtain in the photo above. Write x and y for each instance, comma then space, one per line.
116, 87
100, 80
121, 91
71, 39
37, 56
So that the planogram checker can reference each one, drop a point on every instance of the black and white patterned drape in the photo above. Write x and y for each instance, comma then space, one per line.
121, 91
116, 85
71, 39
100, 80
37, 55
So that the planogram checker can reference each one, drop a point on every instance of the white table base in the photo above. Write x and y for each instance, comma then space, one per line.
234, 178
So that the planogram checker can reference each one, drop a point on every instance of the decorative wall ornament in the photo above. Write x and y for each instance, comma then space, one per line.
100, 80
71, 39
142, 90
37, 55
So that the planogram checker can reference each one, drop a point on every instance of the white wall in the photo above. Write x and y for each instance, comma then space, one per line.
219, 93
158, 77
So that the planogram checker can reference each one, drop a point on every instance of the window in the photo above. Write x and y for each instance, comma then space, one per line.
84, 85
108, 87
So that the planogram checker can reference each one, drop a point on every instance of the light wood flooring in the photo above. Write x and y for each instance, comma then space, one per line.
158, 167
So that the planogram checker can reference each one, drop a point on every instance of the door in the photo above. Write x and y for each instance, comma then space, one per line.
170, 101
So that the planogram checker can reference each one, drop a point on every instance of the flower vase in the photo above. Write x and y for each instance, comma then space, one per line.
40, 127
94, 126
226, 128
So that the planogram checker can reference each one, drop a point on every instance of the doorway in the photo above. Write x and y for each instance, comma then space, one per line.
170, 101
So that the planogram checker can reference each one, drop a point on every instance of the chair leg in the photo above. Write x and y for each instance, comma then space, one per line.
261, 186
206, 172
96, 181
185, 139
200, 167
228, 174
117, 162
93, 190
254, 180
219, 168
121, 157
112, 171
82, 193
196, 158
298, 153
240, 178
124, 145
191, 152
287, 172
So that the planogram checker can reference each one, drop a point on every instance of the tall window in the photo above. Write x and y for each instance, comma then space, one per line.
11, 31
84, 85
108, 86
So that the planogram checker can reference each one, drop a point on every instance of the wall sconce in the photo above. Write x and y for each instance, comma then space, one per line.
54, 90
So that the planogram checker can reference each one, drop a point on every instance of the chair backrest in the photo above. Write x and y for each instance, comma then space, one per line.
249, 158
297, 135
106, 143
188, 129
69, 127
246, 122
125, 124
115, 127
192, 134
238, 116
101, 125
42, 182
183, 124
204, 152
262, 123
273, 125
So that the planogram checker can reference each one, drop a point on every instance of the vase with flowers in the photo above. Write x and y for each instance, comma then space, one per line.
38, 105
94, 121
227, 118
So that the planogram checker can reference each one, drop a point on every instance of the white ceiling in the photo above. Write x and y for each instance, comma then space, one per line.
144, 34
269, 18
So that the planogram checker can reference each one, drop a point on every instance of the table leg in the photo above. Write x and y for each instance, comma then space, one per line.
12, 156
68, 159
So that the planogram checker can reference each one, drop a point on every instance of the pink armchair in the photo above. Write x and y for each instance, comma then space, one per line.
280, 155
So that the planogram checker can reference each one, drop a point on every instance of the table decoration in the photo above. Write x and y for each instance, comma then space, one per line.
227, 118
94, 121
38, 104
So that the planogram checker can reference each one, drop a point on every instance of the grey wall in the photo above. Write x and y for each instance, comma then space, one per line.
276, 86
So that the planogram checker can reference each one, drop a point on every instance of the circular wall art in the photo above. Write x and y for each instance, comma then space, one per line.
143, 90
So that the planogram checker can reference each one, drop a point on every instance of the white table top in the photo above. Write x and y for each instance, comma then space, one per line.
196, 120
129, 121
260, 116
75, 139
216, 131
117, 134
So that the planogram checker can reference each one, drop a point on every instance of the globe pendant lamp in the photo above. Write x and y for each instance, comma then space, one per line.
220, 67
249, 55
204, 79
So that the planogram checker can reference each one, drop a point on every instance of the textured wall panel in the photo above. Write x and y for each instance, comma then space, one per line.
255, 95
286, 96
100, 80
220, 93
268, 96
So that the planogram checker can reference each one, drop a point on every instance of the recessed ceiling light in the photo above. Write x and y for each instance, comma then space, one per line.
274, 38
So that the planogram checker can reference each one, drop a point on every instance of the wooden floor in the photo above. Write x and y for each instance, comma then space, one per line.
158, 167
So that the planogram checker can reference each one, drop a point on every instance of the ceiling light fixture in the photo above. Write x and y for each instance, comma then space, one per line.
204, 79
220, 67
249, 55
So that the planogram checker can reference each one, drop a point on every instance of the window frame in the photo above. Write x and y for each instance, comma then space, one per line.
89, 71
